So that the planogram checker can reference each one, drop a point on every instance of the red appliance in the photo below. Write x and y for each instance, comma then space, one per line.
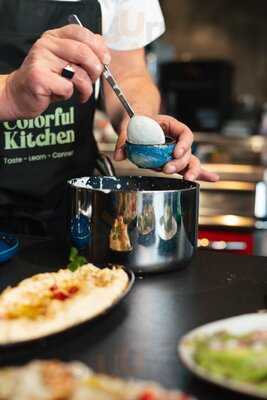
222, 240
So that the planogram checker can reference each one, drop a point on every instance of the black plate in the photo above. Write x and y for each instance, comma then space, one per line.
26, 344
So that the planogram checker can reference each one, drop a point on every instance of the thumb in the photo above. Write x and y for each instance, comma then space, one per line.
119, 154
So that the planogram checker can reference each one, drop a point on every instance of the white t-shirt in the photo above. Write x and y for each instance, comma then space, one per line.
130, 24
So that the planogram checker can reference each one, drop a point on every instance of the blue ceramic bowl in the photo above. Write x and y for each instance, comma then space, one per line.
9, 245
151, 156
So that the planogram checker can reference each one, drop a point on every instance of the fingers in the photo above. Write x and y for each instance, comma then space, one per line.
180, 132
74, 45
190, 167
193, 169
53, 56
70, 51
177, 165
39, 81
208, 176
195, 172
184, 162
185, 142
62, 88
80, 80
85, 36
82, 83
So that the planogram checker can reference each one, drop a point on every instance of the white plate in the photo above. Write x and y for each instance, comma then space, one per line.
237, 325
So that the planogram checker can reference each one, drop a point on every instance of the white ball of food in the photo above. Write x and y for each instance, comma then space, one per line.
144, 130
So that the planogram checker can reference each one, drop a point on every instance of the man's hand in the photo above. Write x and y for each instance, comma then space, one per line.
28, 91
184, 162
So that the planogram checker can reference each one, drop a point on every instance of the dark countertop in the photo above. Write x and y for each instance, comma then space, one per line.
139, 338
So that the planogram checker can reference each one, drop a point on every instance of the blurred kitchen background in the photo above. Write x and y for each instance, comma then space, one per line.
211, 67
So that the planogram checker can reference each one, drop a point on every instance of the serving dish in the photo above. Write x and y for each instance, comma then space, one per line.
240, 325
8, 347
53, 379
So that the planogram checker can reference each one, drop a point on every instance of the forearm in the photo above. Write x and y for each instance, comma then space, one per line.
142, 94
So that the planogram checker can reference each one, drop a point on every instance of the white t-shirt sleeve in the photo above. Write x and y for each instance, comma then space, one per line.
131, 24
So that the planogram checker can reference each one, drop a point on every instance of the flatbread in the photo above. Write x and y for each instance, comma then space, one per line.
54, 380
51, 302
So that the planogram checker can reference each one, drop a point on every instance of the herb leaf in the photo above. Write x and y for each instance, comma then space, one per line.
75, 259
73, 254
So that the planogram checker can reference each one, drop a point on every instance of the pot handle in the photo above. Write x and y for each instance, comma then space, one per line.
104, 165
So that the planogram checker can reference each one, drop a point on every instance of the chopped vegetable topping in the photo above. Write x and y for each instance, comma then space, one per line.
62, 295
240, 358
147, 395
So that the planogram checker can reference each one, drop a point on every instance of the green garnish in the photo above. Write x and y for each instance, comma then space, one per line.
76, 260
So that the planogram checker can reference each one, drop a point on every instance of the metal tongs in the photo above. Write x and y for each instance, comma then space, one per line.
73, 19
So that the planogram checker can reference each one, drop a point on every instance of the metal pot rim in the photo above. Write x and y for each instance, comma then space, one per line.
119, 184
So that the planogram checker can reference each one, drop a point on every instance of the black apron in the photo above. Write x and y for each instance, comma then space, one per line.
39, 155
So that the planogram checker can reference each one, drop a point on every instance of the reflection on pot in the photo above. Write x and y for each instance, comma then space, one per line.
127, 206
167, 223
167, 247
119, 238
146, 222
80, 231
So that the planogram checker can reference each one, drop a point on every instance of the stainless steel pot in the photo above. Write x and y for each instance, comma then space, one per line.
148, 224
